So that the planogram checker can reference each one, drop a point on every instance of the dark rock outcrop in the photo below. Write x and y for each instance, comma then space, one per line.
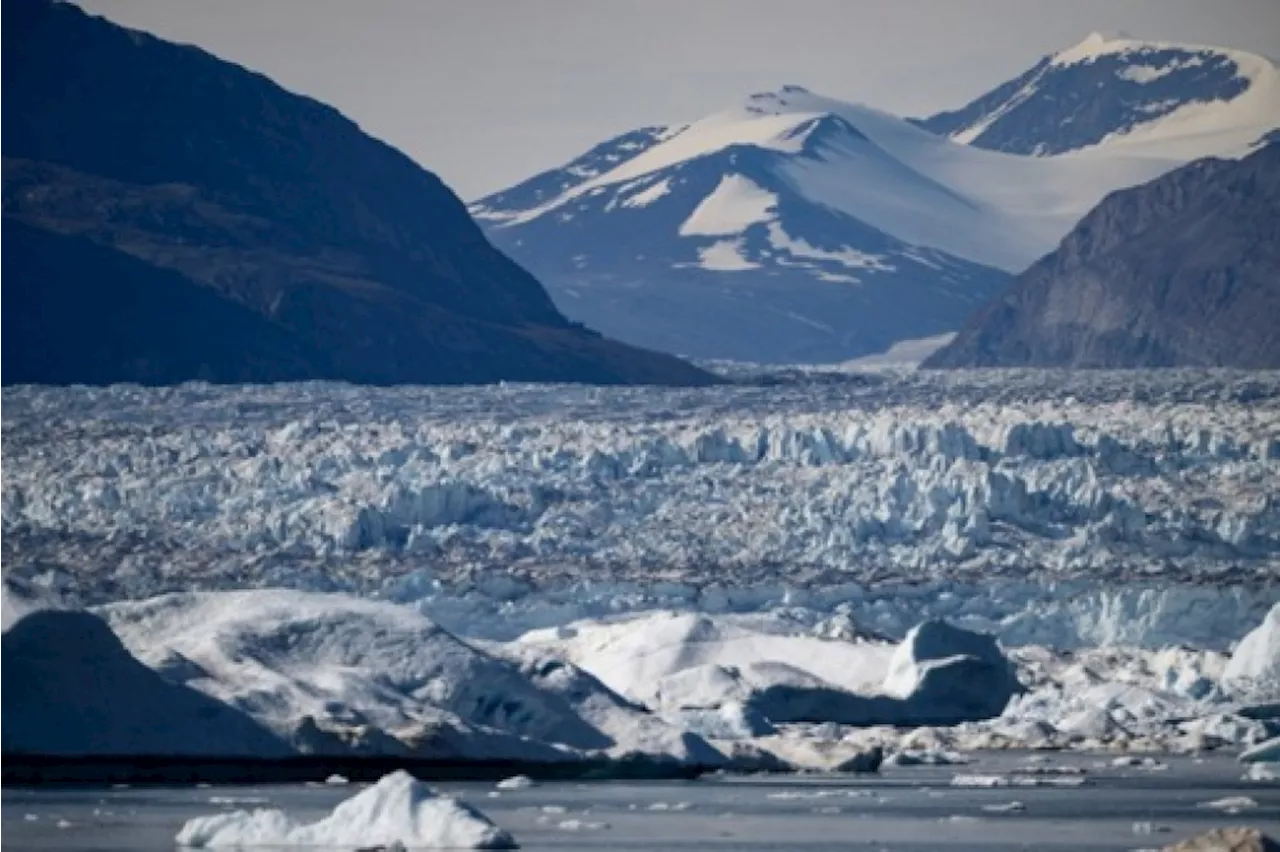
1181, 271
170, 216
1104, 87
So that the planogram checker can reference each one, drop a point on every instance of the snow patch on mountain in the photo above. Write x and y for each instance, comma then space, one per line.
905, 354
735, 203
722, 239
648, 195
845, 256
875, 167
1117, 95
725, 256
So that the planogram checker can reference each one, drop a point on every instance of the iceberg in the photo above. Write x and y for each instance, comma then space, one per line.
71, 688
1255, 664
397, 811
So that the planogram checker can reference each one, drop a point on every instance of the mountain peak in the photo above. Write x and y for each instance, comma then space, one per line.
1107, 42
1160, 99
787, 99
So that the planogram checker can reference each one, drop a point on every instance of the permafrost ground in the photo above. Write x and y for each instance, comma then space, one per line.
795, 526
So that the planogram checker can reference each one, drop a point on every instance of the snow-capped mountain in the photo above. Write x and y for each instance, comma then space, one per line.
1113, 91
790, 227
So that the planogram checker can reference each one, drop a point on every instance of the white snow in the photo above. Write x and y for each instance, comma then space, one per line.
399, 809
725, 256
988, 781
684, 660
71, 688
1151, 73
17, 602
1230, 804
1224, 127
905, 354
1005, 808
1262, 772
381, 677
998, 498
648, 195
993, 208
516, 782
1255, 663
925, 757
735, 204
693, 548
950, 672
1196, 129
846, 256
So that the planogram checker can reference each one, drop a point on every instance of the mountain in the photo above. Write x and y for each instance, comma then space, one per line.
1120, 93
169, 216
1182, 271
790, 227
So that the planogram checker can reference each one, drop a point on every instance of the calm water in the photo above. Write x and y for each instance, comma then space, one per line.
905, 809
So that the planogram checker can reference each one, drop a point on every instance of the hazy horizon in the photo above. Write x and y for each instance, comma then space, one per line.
505, 90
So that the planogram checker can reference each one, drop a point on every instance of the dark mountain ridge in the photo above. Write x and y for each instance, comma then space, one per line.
1181, 271
284, 242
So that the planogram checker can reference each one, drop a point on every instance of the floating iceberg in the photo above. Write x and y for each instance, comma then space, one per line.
1255, 664
398, 810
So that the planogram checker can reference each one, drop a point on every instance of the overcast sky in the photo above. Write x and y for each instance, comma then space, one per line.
488, 92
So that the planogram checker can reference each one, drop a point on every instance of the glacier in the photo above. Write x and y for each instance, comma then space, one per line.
1046, 508
558, 572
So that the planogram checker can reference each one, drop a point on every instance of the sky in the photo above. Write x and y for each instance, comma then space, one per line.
488, 92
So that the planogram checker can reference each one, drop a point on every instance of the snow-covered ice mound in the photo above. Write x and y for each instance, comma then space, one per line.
338, 673
677, 661
399, 809
1255, 664
753, 671
950, 675
938, 675
18, 599
71, 687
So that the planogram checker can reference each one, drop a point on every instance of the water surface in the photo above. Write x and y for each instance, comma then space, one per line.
906, 810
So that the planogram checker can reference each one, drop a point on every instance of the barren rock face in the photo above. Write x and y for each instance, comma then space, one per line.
1227, 840
1177, 272
172, 217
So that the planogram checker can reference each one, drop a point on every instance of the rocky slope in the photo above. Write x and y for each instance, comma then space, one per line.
790, 227
1182, 271
1125, 94
169, 216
